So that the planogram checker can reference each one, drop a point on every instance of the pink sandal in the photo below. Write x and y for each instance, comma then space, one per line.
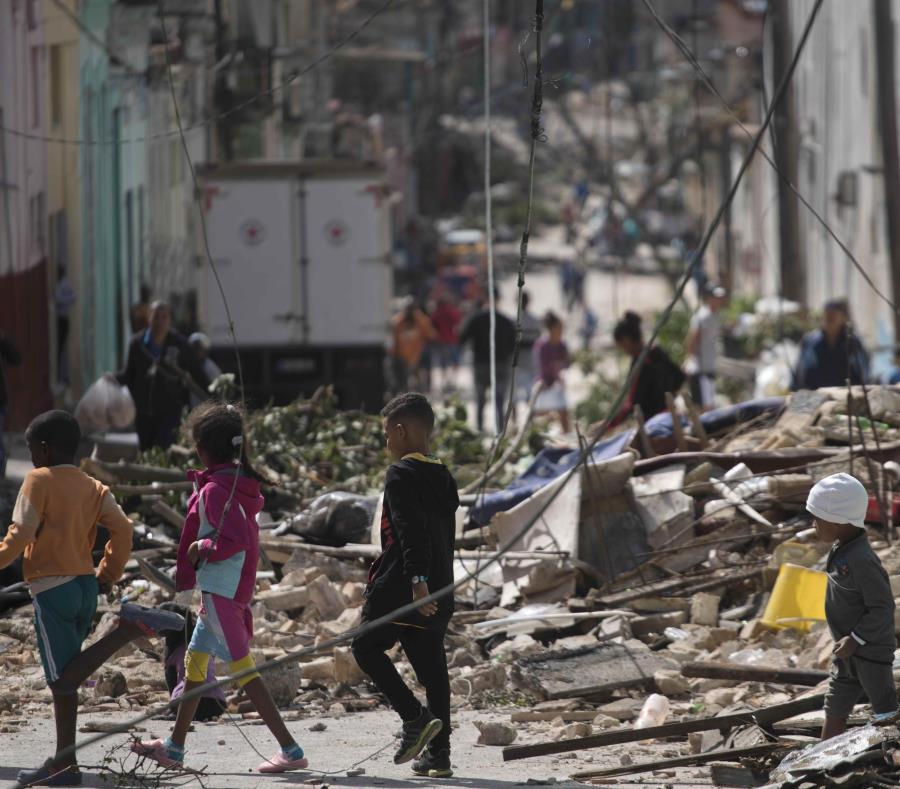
280, 763
156, 751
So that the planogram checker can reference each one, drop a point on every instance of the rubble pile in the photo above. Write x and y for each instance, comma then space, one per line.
665, 596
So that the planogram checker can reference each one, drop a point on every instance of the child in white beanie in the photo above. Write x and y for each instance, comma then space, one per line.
859, 606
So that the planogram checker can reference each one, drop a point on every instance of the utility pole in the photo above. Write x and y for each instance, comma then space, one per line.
787, 157
887, 127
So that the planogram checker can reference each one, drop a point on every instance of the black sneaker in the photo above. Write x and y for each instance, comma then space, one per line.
416, 736
434, 764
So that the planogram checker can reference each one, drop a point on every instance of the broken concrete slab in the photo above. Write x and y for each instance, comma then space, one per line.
593, 670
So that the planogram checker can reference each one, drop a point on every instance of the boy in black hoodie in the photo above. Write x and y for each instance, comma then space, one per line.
417, 537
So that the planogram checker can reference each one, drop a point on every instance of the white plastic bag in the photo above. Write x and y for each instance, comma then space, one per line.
120, 408
654, 712
105, 404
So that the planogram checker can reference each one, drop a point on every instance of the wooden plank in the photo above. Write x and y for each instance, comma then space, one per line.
158, 577
572, 716
677, 427
616, 599
686, 761
168, 514
735, 671
761, 717
130, 472
643, 438
696, 421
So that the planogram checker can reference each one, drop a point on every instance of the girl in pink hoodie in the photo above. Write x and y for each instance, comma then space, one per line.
219, 551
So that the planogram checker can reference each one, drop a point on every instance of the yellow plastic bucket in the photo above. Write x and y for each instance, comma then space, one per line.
798, 598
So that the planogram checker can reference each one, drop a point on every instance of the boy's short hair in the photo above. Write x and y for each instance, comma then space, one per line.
56, 429
413, 406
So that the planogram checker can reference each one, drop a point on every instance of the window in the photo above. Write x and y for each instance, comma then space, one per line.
31, 13
35, 86
56, 86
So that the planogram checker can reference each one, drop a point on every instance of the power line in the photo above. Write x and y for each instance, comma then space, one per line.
488, 218
583, 458
227, 113
692, 59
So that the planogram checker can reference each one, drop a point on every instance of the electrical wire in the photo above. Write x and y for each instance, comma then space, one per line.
209, 259
690, 56
584, 455
488, 219
220, 116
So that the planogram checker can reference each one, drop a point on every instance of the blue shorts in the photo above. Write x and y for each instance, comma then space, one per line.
63, 617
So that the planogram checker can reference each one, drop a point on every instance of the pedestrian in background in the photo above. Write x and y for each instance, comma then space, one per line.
412, 331
161, 372
531, 333
658, 374
551, 357
140, 312
65, 299
703, 347
831, 355
446, 319
477, 331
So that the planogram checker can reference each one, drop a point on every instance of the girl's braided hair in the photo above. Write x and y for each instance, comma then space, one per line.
218, 429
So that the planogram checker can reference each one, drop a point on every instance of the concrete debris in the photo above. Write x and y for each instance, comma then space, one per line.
670, 682
111, 684
595, 618
493, 733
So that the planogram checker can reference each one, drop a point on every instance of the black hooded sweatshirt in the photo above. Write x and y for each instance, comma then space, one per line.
418, 526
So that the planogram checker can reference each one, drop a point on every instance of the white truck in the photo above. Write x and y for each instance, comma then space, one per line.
303, 253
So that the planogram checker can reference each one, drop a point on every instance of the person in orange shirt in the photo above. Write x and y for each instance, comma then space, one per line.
55, 525
413, 331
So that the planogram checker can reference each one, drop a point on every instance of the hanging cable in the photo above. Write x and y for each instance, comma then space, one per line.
584, 455
488, 220
227, 113
685, 50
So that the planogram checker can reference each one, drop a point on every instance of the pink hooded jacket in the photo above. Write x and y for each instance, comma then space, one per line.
229, 547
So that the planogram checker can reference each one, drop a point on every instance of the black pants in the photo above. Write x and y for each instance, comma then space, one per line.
425, 650
157, 430
483, 384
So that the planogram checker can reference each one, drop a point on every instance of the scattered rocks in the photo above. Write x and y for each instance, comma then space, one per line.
283, 683
111, 684
494, 733
670, 682
346, 669
572, 731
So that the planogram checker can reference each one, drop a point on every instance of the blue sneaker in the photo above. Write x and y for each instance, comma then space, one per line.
151, 620
886, 718
48, 775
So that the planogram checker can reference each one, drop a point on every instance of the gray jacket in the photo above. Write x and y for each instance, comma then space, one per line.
858, 601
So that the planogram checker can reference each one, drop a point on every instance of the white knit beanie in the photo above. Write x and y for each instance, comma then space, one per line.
839, 498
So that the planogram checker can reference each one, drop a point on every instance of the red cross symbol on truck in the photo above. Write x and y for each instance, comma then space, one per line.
337, 232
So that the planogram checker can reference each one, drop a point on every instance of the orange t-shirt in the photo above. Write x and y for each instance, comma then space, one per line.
55, 525
410, 338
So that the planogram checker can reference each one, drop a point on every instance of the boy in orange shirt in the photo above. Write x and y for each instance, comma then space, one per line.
55, 525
